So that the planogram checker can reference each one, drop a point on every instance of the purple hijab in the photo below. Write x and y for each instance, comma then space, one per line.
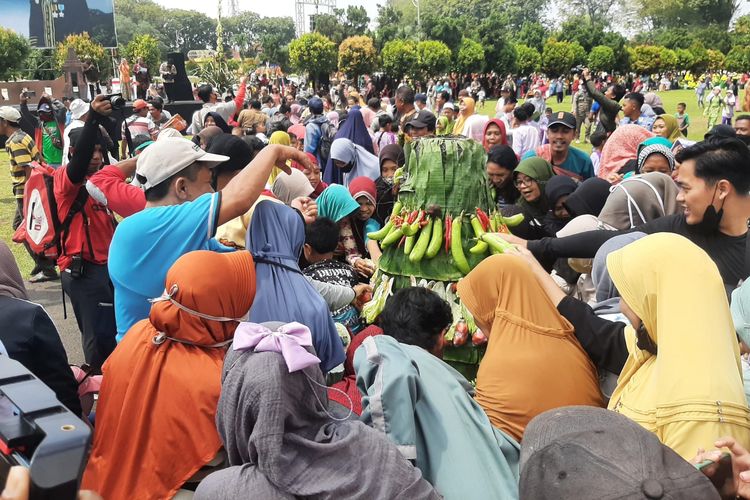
355, 130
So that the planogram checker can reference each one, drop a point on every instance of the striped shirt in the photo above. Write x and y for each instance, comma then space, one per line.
21, 152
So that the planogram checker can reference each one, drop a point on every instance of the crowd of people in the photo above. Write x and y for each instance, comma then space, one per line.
217, 276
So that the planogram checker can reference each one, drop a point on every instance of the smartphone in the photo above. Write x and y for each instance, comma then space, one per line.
30, 93
40, 433
720, 473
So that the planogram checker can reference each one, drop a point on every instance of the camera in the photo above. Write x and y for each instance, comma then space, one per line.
40, 433
578, 69
116, 100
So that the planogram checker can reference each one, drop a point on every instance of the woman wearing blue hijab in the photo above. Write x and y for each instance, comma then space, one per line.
275, 239
355, 130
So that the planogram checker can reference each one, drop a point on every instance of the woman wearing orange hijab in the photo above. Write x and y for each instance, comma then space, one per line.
533, 361
155, 422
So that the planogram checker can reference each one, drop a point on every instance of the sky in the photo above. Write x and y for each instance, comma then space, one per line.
264, 7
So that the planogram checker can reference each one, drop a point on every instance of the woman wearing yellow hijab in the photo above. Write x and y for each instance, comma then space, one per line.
533, 361
282, 138
667, 126
683, 379
466, 107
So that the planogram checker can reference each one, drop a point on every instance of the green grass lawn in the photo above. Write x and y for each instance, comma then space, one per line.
7, 211
670, 100
8, 206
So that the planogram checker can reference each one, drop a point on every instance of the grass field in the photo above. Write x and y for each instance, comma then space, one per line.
8, 204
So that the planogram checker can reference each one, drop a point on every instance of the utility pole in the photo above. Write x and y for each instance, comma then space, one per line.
419, 18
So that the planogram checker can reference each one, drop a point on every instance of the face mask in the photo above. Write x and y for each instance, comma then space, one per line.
711, 218
388, 180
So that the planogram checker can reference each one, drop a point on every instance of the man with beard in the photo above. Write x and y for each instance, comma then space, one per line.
714, 182
565, 160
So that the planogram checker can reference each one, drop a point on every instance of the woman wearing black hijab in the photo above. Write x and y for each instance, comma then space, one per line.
588, 198
557, 190
214, 118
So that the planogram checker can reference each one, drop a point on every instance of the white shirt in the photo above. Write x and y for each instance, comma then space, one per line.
74, 124
525, 139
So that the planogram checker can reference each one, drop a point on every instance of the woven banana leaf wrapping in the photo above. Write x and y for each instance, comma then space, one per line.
449, 173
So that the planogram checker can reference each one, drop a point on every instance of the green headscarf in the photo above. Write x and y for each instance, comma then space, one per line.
541, 171
335, 202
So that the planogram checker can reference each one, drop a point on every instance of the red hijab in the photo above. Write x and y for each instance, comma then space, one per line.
503, 133
321, 185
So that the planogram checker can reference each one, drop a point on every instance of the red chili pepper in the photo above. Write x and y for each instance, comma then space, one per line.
412, 217
483, 219
400, 243
448, 224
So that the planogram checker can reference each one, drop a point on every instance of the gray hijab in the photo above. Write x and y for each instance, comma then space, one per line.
282, 442
607, 296
11, 282
640, 199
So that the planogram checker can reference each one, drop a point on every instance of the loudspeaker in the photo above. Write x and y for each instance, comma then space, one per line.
181, 89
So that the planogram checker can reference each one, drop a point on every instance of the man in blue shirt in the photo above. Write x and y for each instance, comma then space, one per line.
181, 215
565, 160
631, 108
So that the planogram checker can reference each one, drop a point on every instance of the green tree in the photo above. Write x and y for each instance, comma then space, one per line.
740, 34
580, 29
400, 58
667, 59
330, 26
685, 59
714, 37
601, 58
470, 58
434, 58
500, 53
275, 34
688, 13
314, 54
618, 44
189, 30
529, 59
14, 50
645, 59
448, 30
715, 60
145, 46
738, 59
240, 32
700, 57
532, 34
558, 57
85, 48
389, 25
357, 56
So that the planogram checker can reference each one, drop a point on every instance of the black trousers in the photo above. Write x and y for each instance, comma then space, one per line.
41, 263
92, 296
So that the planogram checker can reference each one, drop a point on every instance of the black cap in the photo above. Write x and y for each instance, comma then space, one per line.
423, 119
563, 118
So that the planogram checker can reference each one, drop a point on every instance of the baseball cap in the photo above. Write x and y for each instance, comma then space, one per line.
78, 108
10, 114
423, 119
563, 118
586, 453
44, 108
139, 104
316, 105
421, 97
162, 159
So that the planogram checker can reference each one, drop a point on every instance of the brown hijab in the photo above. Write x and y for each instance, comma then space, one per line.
533, 362
11, 283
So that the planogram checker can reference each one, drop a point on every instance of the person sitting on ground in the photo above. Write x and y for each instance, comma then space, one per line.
161, 386
631, 110
565, 160
28, 335
501, 162
276, 239
282, 438
181, 204
412, 396
533, 361
321, 239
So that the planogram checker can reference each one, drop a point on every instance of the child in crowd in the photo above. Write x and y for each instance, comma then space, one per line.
543, 124
321, 239
445, 121
598, 139
385, 135
683, 119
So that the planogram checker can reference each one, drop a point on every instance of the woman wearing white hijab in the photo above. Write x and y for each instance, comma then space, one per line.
288, 187
355, 161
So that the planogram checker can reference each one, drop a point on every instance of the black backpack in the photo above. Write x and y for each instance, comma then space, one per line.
327, 134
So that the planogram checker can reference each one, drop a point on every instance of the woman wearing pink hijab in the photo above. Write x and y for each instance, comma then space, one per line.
620, 147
